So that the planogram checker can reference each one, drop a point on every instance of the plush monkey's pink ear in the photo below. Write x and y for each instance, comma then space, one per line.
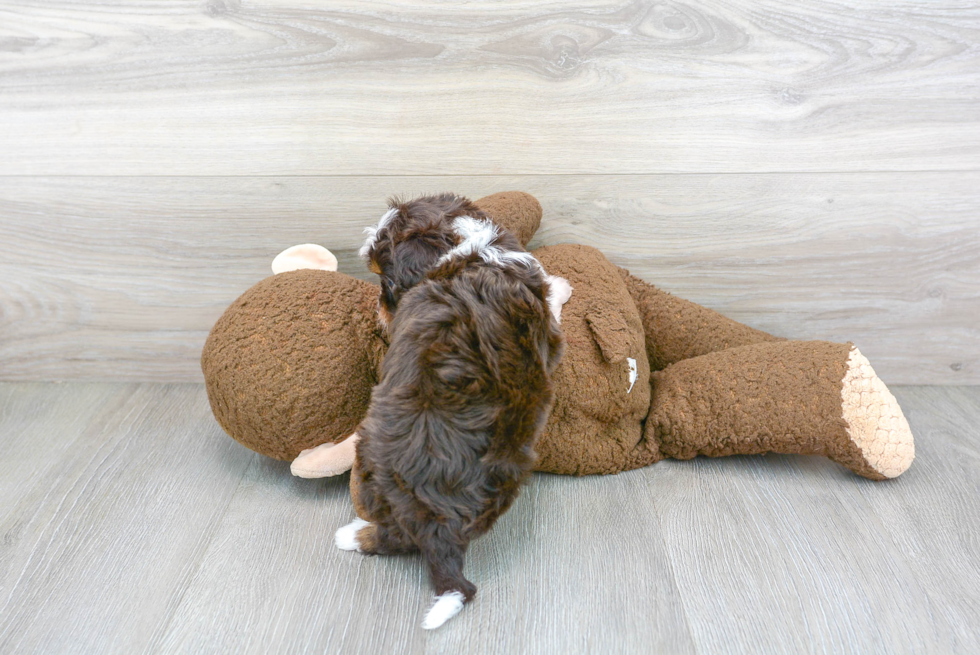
306, 255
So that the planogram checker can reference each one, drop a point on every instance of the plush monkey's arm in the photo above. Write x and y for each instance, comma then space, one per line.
326, 460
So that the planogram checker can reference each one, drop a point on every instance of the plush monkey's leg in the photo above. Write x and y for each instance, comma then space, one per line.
678, 329
803, 397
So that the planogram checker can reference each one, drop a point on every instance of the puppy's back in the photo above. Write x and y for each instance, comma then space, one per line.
449, 434
465, 385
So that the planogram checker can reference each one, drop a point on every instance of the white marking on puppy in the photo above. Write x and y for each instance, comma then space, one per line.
559, 291
477, 236
632, 365
346, 537
372, 232
446, 607
525, 258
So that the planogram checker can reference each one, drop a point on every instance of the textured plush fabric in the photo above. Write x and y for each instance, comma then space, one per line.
782, 397
678, 329
516, 211
291, 363
719, 387
596, 421
875, 422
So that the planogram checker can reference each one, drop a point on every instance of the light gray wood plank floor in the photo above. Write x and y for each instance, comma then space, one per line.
130, 523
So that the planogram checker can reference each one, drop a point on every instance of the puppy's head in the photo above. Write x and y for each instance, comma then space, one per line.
409, 240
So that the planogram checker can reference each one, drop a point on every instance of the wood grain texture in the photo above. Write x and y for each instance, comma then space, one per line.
121, 278
155, 533
204, 87
792, 539
274, 581
99, 551
25, 413
938, 539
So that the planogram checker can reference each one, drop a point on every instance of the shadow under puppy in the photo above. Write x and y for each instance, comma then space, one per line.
465, 387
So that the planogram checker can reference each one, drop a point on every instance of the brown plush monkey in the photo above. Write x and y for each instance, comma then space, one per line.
290, 365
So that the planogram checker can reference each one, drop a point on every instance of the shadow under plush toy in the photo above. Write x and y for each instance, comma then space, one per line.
290, 365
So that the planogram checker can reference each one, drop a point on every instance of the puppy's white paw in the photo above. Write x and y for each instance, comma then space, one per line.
346, 537
559, 291
446, 607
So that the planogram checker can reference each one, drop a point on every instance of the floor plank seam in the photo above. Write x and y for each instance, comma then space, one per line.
121, 400
673, 573
161, 634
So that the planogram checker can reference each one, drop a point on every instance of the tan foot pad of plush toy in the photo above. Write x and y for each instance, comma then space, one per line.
875, 422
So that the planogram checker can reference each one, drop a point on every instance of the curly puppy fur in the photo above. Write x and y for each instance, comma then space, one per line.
409, 240
465, 386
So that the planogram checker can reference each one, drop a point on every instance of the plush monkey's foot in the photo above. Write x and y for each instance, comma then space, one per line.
326, 460
875, 422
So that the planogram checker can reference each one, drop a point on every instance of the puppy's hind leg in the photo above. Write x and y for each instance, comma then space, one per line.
445, 560
346, 537
372, 539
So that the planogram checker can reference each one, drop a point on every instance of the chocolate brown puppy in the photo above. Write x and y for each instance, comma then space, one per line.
465, 387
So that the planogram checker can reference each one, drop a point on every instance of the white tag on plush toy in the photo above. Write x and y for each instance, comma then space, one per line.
305, 255
632, 365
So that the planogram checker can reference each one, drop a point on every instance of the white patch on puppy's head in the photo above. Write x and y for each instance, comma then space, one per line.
475, 236
372, 232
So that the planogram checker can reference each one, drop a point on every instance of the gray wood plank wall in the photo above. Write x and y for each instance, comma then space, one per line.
809, 168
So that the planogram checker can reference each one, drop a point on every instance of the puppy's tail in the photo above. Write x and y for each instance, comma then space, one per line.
445, 562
